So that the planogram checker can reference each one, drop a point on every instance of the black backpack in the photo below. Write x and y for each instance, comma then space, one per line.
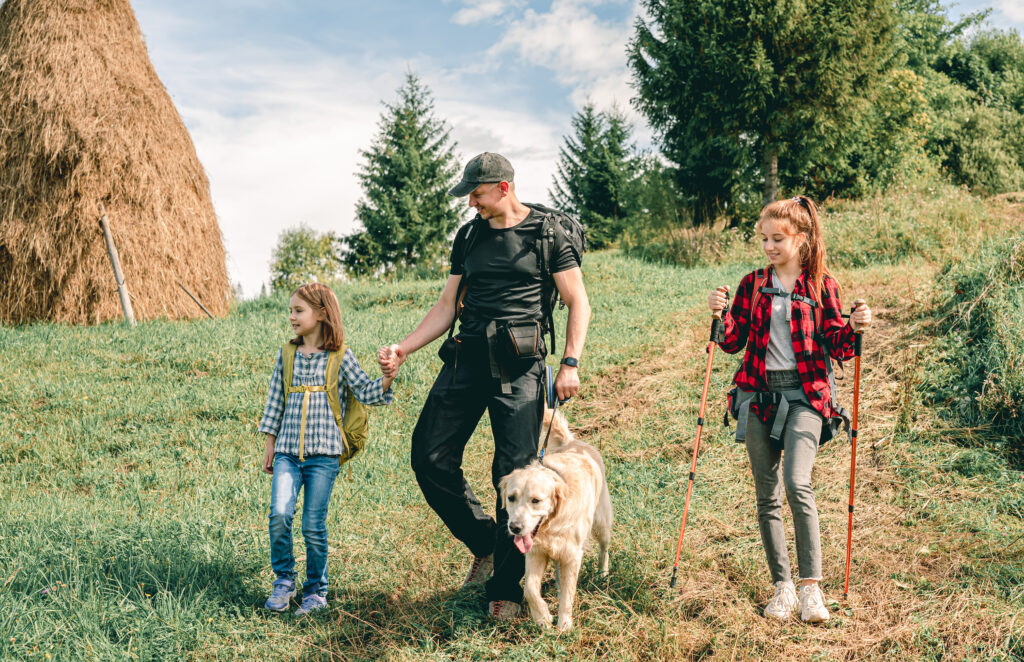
553, 223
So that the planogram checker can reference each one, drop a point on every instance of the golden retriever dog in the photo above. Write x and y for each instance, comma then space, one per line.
554, 506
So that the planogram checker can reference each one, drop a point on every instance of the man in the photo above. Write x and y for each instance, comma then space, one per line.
496, 277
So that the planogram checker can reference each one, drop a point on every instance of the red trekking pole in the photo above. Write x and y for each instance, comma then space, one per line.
716, 331
853, 451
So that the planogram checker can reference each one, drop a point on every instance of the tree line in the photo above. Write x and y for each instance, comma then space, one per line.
749, 100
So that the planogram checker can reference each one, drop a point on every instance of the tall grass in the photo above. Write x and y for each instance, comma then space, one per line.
978, 375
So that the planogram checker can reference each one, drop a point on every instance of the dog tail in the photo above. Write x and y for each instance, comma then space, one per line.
560, 432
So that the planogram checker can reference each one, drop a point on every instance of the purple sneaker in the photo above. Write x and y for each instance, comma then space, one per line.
310, 604
284, 591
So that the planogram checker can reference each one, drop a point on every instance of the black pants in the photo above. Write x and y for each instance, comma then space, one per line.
454, 406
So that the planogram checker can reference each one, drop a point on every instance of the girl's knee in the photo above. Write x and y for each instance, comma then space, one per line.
280, 519
769, 506
799, 491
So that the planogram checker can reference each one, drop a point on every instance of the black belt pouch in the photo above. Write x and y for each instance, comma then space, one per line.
519, 341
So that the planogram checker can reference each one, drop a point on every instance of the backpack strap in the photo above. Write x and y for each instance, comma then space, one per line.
287, 368
762, 277
472, 235
548, 292
333, 397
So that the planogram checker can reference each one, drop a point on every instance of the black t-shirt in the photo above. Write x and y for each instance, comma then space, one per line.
503, 272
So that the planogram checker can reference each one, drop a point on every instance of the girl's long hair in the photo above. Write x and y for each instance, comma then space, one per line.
320, 297
800, 215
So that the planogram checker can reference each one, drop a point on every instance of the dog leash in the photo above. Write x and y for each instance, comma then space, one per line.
552, 402
544, 446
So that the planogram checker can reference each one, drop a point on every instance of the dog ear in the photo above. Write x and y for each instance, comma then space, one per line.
559, 495
502, 484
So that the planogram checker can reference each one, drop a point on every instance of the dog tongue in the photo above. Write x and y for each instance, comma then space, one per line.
524, 543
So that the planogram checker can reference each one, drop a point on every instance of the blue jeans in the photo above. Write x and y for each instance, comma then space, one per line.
316, 474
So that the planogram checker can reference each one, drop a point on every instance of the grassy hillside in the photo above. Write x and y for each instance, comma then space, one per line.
134, 517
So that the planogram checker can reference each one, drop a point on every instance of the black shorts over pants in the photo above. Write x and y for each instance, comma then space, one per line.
457, 400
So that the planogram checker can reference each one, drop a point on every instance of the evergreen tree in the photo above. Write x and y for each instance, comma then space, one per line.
595, 173
406, 212
741, 89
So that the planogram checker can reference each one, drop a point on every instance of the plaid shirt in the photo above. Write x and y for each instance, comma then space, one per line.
322, 434
751, 331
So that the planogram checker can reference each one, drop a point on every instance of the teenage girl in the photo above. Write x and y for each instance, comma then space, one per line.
307, 456
783, 395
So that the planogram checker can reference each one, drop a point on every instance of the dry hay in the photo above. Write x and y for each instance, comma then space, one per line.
85, 121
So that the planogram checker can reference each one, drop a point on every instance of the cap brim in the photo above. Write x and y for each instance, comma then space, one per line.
463, 188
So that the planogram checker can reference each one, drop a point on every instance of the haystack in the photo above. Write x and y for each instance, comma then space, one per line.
85, 121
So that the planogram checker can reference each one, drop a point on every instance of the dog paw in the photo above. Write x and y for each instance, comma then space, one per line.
564, 624
544, 622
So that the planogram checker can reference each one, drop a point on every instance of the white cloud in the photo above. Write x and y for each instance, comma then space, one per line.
476, 11
586, 54
1013, 10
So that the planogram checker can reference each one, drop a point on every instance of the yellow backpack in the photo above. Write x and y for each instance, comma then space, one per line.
356, 423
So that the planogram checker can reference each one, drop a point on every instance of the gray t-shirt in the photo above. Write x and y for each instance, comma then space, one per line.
780, 354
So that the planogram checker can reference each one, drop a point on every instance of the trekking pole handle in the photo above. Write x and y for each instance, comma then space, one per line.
859, 334
716, 319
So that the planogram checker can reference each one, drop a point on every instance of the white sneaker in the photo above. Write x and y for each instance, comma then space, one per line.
781, 606
812, 604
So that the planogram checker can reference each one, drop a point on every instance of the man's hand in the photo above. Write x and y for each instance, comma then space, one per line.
567, 382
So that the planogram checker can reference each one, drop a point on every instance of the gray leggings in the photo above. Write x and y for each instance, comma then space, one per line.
802, 431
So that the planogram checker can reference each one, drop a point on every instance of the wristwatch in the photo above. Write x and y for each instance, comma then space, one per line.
571, 362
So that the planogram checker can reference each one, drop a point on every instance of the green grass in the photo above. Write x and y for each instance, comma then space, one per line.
134, 511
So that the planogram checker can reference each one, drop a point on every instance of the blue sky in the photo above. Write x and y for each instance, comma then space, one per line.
280, 96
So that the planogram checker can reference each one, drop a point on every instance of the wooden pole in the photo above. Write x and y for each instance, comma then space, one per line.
198, 302
115, 262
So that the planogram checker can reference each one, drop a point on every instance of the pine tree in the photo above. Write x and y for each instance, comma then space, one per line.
746, 89
595, 171
406, 212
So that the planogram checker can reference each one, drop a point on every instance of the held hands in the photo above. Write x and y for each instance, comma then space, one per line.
390, 358
718, 300
860, 318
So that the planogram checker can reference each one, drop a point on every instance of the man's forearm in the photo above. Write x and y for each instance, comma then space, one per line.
436, 322
576, 327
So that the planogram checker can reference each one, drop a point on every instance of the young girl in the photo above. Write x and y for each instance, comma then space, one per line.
783, 394
305, 453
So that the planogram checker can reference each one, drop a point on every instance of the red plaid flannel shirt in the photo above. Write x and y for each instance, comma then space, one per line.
743, 329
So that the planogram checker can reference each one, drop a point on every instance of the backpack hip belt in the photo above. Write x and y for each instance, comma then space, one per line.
777, 422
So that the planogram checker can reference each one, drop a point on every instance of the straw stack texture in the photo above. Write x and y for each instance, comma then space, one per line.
85, 121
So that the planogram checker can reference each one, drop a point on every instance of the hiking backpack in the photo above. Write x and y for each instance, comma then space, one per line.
553, 223
354, 425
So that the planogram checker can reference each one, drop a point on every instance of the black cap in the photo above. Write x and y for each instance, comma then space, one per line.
483, 169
